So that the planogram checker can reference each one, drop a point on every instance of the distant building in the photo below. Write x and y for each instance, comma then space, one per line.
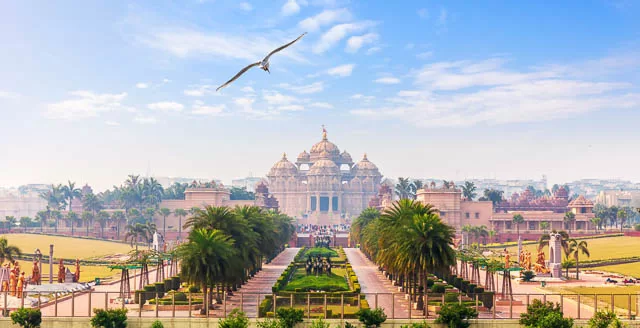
619, 198
249, 183
22, 201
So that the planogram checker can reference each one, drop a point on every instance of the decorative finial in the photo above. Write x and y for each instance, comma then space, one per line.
284, 155
324, 133
365, 157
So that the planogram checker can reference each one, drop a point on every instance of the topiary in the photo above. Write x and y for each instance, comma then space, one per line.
180, 296
456, 315
157, 324
371, 318
116, 318
605, 319
235, 319
450, 297
27, 318
537, 311
289, 317
528, 276
439, 289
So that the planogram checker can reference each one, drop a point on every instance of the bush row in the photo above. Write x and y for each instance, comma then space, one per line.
150, 291
466, 287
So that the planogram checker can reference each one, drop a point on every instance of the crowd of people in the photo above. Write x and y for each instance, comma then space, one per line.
323, 229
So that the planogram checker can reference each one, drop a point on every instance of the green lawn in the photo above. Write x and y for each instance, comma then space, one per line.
620, 295
600, 248
67, 247
627, 269
322, 251
334, 282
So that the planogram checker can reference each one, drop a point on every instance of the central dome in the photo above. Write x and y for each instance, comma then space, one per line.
324, 167
283, 168
324, 149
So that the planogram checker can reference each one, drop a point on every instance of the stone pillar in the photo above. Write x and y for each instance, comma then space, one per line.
519, 249
50, 264
555, 255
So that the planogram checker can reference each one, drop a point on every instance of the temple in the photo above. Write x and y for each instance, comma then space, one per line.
323, 186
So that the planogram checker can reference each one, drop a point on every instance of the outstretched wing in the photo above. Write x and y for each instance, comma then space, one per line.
286, 45
238, 75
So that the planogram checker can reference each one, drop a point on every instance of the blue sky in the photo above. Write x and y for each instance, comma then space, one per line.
93, 91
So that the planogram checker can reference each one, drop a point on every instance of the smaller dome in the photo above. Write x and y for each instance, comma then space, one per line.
283, 168
366, 168
324, 167
581, 202
304, 157
346, 157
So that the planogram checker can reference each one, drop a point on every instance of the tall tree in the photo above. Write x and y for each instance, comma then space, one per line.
596, 223
137, 231
25, 222
569, 219
118, 217
91, 203
87, 220
414, 187
180, 213
164, 212
622, 217
495, 196
517, 220
56, 216
469, 190
72, 217
103, 219
403, 188
544, 225
576, 247
11, 221
241, 194
8, 252
70, 192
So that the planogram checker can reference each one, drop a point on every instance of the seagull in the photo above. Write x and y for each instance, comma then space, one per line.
264, 64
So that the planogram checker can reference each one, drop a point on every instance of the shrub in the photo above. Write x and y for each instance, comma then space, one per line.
27, 318
180, 297
269, 323
450, 297
487, 299
349, 325
371, 318
320, 324
456, 315
528, 275
543, 315
439, 289
430, 283
416, 325
605, 319
289, 317
116, 318
471, 289
235, 319
194, 289
157, 324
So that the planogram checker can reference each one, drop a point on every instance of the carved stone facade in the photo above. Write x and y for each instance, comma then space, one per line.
324, 186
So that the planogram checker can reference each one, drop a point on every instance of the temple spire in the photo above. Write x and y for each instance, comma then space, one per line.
324, 133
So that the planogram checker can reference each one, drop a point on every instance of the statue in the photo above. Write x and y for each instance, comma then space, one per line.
507, 257
16, 268
521, 258
5, 279
540, 266
61, 272
76, 276
20, 286
13, 281
35, 273
527, 261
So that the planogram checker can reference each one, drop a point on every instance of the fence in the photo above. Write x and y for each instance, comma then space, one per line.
314, 305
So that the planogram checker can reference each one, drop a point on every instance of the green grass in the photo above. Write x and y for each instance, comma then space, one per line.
67, 247
627, 269
335, 282
620, 295
323, 252
600, 248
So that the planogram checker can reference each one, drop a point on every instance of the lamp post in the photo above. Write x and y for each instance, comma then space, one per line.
39, 257
51, 263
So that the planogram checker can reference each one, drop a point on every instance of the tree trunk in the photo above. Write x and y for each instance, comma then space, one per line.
577, 268
180, 228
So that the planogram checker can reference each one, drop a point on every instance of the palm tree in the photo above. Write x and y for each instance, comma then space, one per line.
41, 216
134, 215
11, 221
149, 212
575, 247
568, 219
103, 219
205, 259
87, 219
73, 218
118, 217
56, 215
180, 213
70, 192
25, 221
164, 212
91, 203
469, 190
622, 217
517, 219
544, 240
403, 188
136, 231
492, 234
596, 223
544, 225
8, 252
194, 210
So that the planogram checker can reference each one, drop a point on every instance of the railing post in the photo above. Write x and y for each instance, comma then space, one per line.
325, 305
55, 303
493, 308
629, 305
274, 304
308, 306
143, 295
612, 305
561, 303
24, 295
173, 305
527, 300
342, 307
511, 307
190, 303
579, 306
242, 302
595, 303
376, 301
426, 305
393, 306
73, 303
291, 301
159, 304
224, 303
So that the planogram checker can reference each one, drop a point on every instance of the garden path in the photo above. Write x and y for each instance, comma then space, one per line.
373, 283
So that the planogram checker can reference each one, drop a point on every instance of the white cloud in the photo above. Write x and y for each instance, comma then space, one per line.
143, 119
356, 42
142, 85
423, 13
247, 89
326, 17
322, 105
424, 55
199, 108
8, 95
185, 42
112, 123
314, 87
246, 6
338, 32
85, 104
373, 50
166, 81
166, 106
291, 7
465, 93
342, 70
359, 96
387, 80
442, 18
200, 90
291, 108
276, 98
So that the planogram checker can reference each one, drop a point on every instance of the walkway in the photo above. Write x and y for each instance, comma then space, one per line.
377, 289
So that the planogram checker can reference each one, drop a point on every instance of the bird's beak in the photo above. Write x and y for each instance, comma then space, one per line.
268, 71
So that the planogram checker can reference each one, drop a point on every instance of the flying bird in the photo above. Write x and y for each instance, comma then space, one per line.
263, 64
